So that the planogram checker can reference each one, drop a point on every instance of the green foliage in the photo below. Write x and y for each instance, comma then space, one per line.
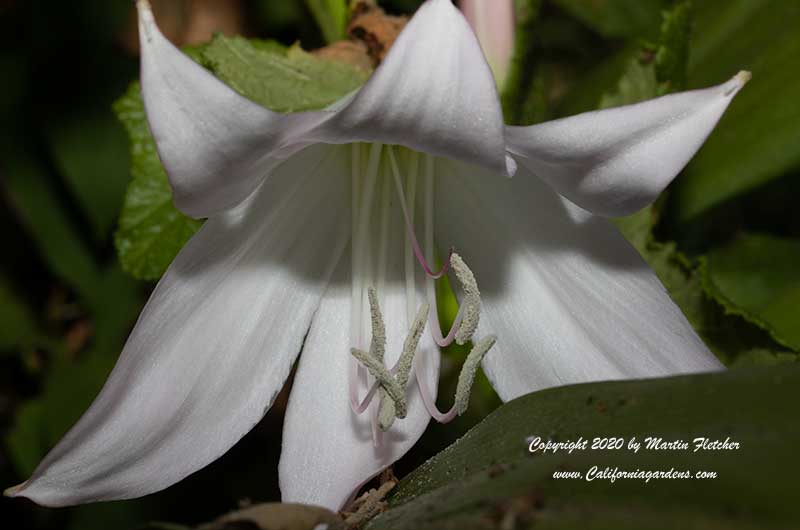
522, 93
151, 230
757, 140
291, 81
18, 324
660, 68
331, 17
672, 53
109, 297
488, 477
756, 277
91, 154
617, 18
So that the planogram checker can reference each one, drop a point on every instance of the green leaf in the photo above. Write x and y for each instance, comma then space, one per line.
617, 18
672, 54
291, 81
661, 68
489, 479
151, 230
331, 17
638, 84
756, 277
91, 154
757, 139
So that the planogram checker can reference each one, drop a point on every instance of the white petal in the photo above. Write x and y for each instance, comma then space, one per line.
614, 162
216, 145
328, 451
214, 344
433, 93
569, 299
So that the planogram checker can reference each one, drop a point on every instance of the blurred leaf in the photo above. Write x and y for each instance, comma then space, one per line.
661, 68
488, 479
72, 383
17, 324
757, 277
111, 298
758, 139
672, 53
763, 357
91, 153
522, 97
151, 230
331, 16
638, 84
284, 82
45, 218
617, 18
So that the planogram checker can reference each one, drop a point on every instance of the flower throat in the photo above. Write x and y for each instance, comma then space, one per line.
374, 174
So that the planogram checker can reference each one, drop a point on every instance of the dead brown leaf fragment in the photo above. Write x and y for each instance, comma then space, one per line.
372, 26
352, 52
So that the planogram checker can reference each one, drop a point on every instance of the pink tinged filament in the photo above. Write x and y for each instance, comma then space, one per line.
360, 406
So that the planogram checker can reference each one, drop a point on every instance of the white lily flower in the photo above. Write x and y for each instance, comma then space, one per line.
306, 214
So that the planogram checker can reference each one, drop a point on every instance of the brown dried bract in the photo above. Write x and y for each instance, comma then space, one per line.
372, 26
353, 52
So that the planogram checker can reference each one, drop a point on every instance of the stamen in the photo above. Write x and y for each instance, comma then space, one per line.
391, 383
410, 347
410, 224
467, 376
466, 379
471, 302
379, 372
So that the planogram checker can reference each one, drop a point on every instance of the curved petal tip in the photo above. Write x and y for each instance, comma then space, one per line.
14, 491
146, 17
737, 82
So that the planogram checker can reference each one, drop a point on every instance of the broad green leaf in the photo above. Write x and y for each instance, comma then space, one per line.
489, 479
151, 230
758, 139
617, 18
91, 154
284, 82
735, 341
756, 277
331, 17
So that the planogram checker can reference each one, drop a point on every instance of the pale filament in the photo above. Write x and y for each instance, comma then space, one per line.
363, 196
